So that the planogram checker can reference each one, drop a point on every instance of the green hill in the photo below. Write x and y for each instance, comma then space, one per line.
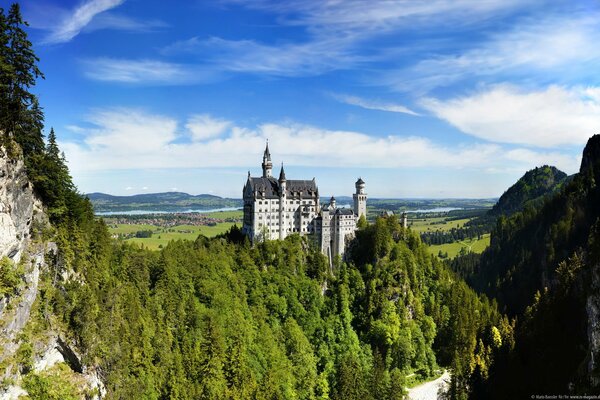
543, 266
529, 189
168, 201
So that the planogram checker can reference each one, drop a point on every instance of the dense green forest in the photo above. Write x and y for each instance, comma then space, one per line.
217, 318
542, 268
221, 319
529, 190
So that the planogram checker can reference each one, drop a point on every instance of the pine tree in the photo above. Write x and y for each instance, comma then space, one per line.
21, 117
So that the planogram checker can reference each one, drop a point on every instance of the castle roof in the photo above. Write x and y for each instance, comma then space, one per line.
360, 181
270, 186
344, 211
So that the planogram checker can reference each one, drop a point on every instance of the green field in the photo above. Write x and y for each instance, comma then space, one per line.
162, 236
473, 245
239, 214
421, 225
124, 229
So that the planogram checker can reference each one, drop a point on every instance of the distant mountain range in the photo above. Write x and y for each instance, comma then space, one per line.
179, 202
168, 201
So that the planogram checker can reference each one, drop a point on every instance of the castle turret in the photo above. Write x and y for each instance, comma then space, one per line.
332, 202
267, 165
360, 199
282, 204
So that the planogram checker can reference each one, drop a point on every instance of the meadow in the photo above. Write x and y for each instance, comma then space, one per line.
431, 224
470, 245
163, 235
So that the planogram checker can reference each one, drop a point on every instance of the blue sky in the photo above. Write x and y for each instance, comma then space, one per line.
423, 98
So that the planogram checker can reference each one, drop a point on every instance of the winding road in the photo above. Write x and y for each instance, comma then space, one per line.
429, 390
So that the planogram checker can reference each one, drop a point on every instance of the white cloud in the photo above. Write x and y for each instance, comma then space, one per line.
132, 139
127, 130
549, 117
145, 71
74, 22
373, 105
75, 128
203, 126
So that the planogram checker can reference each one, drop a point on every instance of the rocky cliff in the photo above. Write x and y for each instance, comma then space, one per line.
18, 208
27, 346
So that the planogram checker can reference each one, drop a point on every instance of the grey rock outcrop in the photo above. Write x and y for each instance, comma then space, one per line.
22, 217
593, 331
18, 207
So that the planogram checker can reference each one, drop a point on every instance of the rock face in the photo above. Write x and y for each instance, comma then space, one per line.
22, 213
591, 154
593, 330
18, 207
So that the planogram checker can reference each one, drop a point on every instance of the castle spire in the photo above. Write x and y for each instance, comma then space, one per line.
267, 154
282, 174
267, 165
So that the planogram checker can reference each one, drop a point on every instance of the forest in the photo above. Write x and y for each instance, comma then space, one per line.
220, 318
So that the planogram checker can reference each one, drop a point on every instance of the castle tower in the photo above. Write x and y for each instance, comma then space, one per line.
360, 199
282, 203
332, 202
267, 165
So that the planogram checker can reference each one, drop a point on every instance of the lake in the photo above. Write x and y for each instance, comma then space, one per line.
147, 212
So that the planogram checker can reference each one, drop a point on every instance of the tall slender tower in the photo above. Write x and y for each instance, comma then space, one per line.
282, 204
267, 165
360, 199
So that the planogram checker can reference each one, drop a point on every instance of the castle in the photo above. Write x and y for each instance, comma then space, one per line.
276, 208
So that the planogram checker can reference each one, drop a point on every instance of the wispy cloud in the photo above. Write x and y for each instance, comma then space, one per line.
111, 20
79, 18
375, 15
559, 48
373, 105
204, 126
134, 139
336, 33
282, 59
550, 117
152, 72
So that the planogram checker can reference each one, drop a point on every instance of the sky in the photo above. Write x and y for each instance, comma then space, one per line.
420, 98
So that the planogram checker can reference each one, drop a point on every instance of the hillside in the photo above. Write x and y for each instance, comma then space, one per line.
529, 190
167, 201
543, 266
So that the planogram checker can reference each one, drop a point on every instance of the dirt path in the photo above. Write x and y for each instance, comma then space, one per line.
429, 390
